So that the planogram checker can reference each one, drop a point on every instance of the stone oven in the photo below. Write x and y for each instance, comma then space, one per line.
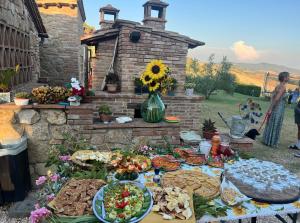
137, 45
128, 46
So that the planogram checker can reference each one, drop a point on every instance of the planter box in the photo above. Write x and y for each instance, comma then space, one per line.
5, 97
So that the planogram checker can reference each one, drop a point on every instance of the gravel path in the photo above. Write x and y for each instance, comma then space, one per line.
5, 219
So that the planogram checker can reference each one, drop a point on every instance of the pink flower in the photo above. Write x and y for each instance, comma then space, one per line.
54, 177
65, 158
50, 197
41, 180
37, 206
37, 215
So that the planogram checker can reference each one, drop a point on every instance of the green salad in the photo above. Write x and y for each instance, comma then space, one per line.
123, 202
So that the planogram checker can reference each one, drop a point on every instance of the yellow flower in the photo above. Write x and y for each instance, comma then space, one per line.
297, 204
17, 68
238, 211
49, 173
153, 86
146, 79
156, 69
260, 204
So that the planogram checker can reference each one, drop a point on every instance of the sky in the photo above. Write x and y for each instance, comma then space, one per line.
246, 31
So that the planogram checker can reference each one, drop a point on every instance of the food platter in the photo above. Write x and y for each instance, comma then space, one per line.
122, 201
195, 160
139, 162
201, 183
264, 181
83, 157
75, 198
172, 203
166, 163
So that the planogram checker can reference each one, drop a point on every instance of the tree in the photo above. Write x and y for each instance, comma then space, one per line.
215, 77
194, 66
206, 84
226, 80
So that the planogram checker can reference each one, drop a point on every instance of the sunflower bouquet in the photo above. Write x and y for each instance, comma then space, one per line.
157, 77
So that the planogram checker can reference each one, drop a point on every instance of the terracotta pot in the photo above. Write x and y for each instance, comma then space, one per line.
21, 101
105, 118
112, 88
208, 135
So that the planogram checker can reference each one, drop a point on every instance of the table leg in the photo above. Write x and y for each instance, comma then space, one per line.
253, 220
294, 217
280, 218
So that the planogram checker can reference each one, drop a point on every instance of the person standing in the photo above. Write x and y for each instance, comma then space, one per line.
297, 121
275, 112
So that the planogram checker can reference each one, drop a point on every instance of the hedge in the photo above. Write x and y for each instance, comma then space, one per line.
251, 90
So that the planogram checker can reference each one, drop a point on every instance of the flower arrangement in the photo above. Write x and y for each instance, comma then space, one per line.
189, 85
157, 77
50, 185
50, 95
251, 111
145, 150
23, 95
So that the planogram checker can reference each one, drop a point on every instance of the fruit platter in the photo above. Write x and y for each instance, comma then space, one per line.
124, 201
122, 162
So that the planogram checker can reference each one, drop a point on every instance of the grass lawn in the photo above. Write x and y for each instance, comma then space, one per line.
228, 105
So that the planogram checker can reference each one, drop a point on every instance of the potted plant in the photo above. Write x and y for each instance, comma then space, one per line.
189, 88
5, 80
209, 129
172, 85
112, 80
105, 114
22, 98
138, 86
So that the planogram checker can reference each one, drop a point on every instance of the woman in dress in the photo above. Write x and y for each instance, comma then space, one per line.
275, 113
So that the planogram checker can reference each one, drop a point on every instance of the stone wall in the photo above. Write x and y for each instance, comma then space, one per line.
44, 126
188, 109
14, 13
61, 53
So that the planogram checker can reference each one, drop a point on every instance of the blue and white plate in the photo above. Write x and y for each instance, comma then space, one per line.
99, 209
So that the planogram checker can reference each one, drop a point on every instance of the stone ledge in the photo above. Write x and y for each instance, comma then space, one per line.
12, 106
100, 95
137, 123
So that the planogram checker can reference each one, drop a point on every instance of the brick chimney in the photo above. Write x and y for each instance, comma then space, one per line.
157, 21
106, 22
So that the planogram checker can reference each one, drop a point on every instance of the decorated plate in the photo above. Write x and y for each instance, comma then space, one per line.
123, 201
166, 163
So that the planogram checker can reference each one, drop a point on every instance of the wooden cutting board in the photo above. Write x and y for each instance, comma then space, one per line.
286, 196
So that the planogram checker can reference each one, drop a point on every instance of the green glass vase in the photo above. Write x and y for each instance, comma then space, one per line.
153, 109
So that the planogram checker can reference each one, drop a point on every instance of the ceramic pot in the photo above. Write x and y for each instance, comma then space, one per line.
21, 101
112, 88
189, 92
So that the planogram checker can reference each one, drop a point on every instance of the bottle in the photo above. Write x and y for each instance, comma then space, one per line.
156, 178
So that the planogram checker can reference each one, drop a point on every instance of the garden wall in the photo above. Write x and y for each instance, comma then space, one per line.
44, 126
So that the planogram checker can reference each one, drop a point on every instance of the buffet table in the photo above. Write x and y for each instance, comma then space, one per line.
249, 209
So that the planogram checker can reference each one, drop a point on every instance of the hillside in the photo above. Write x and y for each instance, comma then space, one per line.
255, 73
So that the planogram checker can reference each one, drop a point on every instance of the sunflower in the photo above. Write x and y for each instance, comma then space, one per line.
153, 86
238, 211
156, 69
296, 204
146, 79
260, 204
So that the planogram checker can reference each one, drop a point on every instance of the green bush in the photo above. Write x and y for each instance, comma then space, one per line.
251, 90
